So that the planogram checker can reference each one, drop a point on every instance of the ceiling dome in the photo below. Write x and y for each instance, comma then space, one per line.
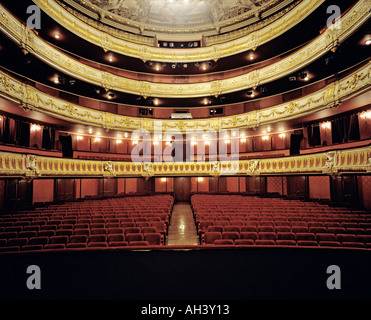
179, 16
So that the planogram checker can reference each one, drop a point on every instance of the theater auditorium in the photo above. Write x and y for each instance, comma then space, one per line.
185, 150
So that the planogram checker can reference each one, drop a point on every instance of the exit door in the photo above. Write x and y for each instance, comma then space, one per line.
182, 189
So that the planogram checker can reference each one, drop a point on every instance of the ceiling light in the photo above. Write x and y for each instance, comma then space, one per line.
111, 95
368, 42
57, 36
90, 131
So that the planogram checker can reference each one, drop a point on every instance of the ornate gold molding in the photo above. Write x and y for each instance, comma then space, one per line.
30, 42
335, 93
329, 163
144, 52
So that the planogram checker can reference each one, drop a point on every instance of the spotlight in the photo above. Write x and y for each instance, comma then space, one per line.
111, 95
368, 42
185, 66
173, 65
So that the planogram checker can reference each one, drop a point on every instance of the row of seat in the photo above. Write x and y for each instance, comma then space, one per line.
81, 242
76, 226
339, 228
294, 229
288, 238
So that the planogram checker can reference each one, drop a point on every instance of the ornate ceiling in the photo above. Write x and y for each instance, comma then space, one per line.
177, 15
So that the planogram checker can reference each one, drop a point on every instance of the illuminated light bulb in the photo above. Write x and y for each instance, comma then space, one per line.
163, 179
79, 138
366, 115
227, 141
368, 42
265, 138
135, 142
326, 125
97, 140
156, 143
207, 142
118, 141
200, 179
243, 140
282, 135
35, 127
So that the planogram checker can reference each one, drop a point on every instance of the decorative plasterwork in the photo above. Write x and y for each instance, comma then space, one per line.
330, 163
30, 42
176, 16
144, 52
332, 95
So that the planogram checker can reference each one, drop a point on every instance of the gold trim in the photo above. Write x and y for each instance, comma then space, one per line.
332, 95
329, 163
30, 42
250, 41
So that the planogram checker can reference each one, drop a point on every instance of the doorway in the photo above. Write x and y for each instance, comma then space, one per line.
182, 189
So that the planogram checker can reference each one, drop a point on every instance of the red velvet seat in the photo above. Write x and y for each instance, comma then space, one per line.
265, 242
58, 240
230, 235
305, 237
286, 236
210, 237
17, 242
244, 242
249, 235
307, 243
138, 243
154, 239
224, 242
286, 242
267, 236
130, 237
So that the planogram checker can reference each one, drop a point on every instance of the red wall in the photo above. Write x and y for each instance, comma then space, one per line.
131, 185
364, 187
275, 185
319, 187
89, 187
43, 191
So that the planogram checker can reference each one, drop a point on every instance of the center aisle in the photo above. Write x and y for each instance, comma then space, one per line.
182, 228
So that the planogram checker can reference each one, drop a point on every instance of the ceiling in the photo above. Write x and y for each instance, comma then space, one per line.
176, 15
